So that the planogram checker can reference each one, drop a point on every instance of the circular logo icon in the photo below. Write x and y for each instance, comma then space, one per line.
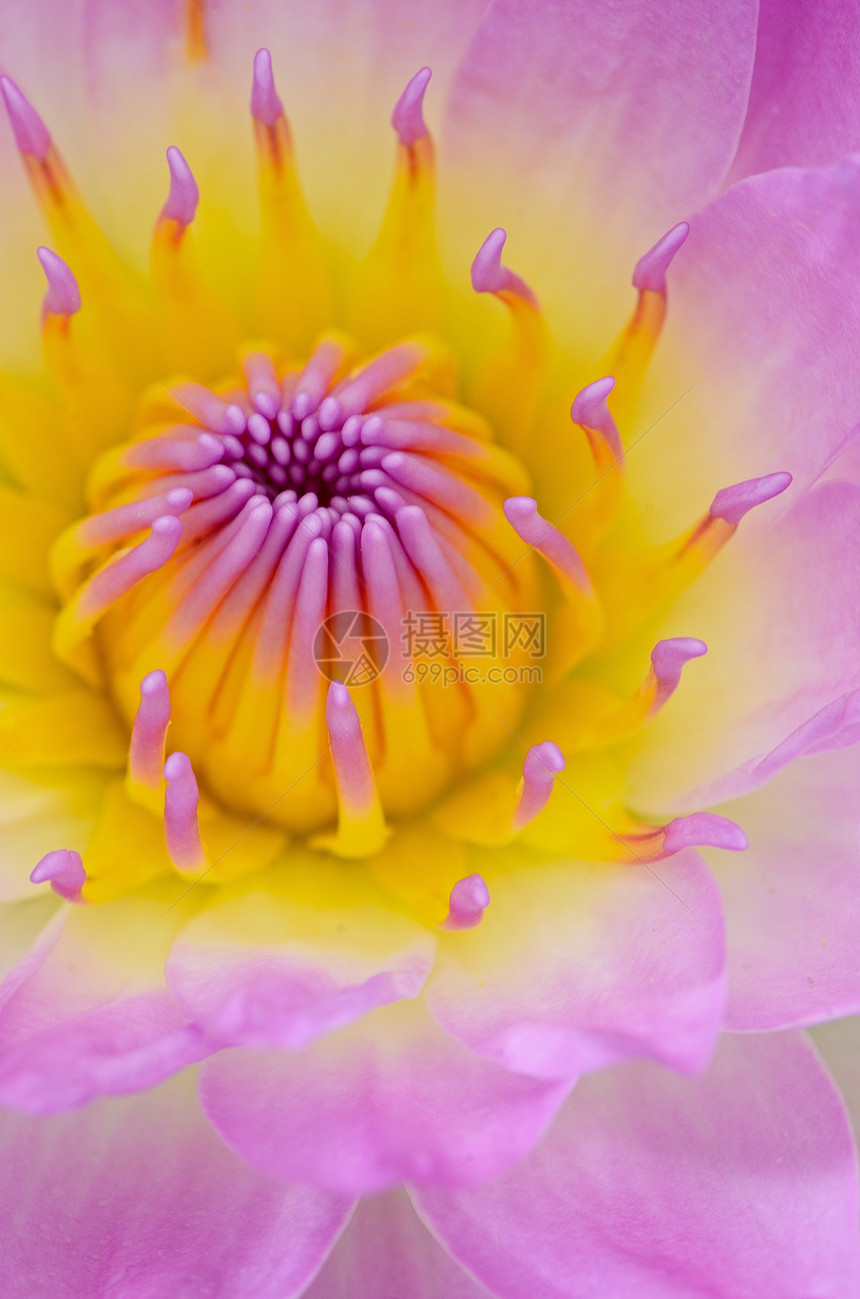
351, 647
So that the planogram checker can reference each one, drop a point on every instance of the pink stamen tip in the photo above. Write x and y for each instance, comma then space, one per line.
490, 276
353, 771
266, 106
732, 503
522, 514
590, 411
668, 658
650, 271
181, 798
183, 196
469, 899
63, 297
63, 870
703, 830
234, 419
542, 763
178, 499
146, 752
31, 134
408, 116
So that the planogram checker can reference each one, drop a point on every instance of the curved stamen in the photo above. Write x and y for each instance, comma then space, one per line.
728, 509
361, 829
181, 829
184, 194
700, 830
390, 368
263, 387
591, 413
266, 106
542, 763
507, 387
408, 116
628, 359
522, 514
64, 871
732, 503
292, 267
490, 276
317, 377
31, 134
214, 413
469, 899
667, 659
63, 297
149, 733
649, 273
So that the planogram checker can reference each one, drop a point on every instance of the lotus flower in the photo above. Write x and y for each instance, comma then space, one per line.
359, 738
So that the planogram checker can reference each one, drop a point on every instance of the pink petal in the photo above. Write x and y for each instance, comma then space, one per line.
781, 617
791, 912
593, 121
839, 1045
756, 370
21, 924
741, 1183
387, 1250
259, 971
87, 1013
389, 1100
802, 110
576, 966
139, 1197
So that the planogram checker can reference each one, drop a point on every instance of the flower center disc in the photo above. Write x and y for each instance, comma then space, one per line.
340, 520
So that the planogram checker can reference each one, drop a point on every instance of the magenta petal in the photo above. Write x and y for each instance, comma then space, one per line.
791, 913
389, 1100
612, 119
576, 966
387, 1251
139, 1198
258, 971
804, 109
87, 1013
757, 363
741, 1183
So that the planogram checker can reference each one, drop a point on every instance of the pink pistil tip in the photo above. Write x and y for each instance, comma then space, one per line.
63, 297
469, 899
183, 196
31, 134
650, 271
408, 116
703, 830
542, 763
590, 410
63, 870
266, 105
490, 276
732, 503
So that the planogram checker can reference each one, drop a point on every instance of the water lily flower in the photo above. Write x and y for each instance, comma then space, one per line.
407, 623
